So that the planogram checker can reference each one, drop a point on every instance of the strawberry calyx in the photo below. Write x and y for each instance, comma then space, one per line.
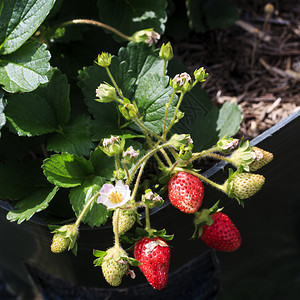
228, 185
67, 233
203, 217
243, 157
140, 233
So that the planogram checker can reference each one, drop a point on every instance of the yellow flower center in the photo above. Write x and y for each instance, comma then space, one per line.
115, 197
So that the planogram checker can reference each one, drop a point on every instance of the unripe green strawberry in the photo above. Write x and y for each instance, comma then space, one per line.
59, 243
127, 219
245, 185
260, 158
113, 266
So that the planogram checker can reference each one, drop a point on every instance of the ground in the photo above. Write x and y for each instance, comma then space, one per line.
253, 63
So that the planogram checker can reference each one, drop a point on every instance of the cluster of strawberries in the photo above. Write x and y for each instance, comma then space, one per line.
211, 225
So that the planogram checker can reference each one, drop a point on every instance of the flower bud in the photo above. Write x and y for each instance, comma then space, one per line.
179, 140
113, 146
181, 82
119, 174
166, 51
148, 36
200, 74
227, 145
104, 59
106, 93
128, 110
152, 199
130, 155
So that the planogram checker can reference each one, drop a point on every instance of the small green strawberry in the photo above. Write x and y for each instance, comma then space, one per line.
59, 243
64, 238
243, 185
114, 267
127, 218
260, 158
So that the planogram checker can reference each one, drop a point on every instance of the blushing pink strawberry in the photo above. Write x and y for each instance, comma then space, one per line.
186, 192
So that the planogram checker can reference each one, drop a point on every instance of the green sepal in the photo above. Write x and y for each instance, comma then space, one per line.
242, 157
229, 184
151, 203
204, 218
133, 262
100, 254
69, 232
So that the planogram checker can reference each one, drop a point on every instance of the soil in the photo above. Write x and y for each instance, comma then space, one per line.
257, 67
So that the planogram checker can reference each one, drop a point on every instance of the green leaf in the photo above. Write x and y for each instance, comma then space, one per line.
96, 214
57, 93
207, 128
103, 165
25, 69
43, 111
19, 20
30, 115
132, 64
35, 202
134, 15
152, 95
67, 170
229, 120
20, 179
74, 138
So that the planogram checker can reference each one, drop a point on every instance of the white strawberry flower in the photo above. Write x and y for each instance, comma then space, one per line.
114, 196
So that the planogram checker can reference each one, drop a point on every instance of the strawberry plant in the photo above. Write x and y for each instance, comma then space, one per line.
110, 141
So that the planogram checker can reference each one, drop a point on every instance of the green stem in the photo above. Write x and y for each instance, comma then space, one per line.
175, 114
165, 67
86, 208
137, 182
160, 163
116, 228
117, 162
144, 128
208, 181
147, 217
145, 158
125, 168
220, 157
202, 154
166, 113
95, 23
114, 83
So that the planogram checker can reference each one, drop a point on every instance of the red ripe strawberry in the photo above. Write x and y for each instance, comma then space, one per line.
186, 192
154, 256
222, 234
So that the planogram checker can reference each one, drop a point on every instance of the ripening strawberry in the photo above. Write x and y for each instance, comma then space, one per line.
245, 185
222, 235
113, 266
260, 158
186, 192
127, 219
154, 257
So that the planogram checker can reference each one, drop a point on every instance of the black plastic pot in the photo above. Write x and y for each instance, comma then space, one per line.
267, 219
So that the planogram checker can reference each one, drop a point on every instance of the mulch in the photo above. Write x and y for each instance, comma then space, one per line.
254, 63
